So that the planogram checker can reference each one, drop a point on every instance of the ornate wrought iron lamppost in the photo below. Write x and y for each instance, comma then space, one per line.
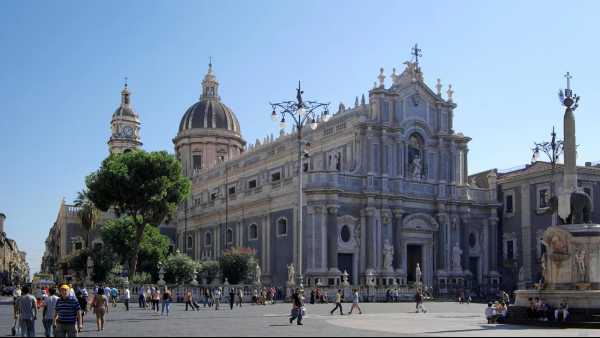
301, 113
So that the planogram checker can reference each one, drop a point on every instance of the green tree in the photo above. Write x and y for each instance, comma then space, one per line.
88, 214
210, 269
180, 268
104, 262
145, 186
237, 264
119, 236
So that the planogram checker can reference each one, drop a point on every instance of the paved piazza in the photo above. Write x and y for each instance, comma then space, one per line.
443, 319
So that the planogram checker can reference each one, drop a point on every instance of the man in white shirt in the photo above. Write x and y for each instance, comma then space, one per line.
126, 298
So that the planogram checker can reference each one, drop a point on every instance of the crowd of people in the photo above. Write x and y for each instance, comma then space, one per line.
63, 310
540, 310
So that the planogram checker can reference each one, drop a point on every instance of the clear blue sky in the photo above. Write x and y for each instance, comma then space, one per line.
63, 62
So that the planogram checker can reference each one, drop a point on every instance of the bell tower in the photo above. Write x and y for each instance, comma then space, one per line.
125, 126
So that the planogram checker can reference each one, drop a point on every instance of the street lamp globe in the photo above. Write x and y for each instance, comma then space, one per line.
326, 116
274, 116
301, 112
282, 124
314, 124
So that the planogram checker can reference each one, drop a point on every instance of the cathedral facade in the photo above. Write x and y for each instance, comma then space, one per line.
386, 189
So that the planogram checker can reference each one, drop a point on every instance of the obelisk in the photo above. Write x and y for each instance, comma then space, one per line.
569, 100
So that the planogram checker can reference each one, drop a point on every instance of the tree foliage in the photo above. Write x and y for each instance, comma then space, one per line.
237, 264
119, 236
210, 270
104, 262
88, 214
146, 186
180, 268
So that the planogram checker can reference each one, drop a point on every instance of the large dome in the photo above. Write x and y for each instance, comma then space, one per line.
209, 114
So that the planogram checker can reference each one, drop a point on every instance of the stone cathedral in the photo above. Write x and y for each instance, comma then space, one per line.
386, 189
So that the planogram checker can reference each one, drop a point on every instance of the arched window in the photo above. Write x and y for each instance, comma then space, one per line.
229, 236
208, 239
253, 232
282, 227
416, 157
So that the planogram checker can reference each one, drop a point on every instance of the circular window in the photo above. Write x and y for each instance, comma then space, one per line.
346, 234
472, 240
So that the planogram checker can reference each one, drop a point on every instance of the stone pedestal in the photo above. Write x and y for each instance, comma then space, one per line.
571, 268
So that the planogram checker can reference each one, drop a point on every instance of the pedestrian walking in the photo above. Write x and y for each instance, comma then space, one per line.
167, 300
240, 297
355, 302
100, 305
28, 312
49, 311
142, 297
126, 298
189, 301
217, 298
298, 310
148, 299
67, 315
338, 302
231, 298
114, 296
419, 299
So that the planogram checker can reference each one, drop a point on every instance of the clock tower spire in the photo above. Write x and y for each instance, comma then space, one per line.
125, 126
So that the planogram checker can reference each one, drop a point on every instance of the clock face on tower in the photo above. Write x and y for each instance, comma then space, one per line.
128, 132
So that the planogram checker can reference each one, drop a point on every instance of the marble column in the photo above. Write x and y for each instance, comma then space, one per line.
370, 236
493, 251
442, 241
397, 234
332, 235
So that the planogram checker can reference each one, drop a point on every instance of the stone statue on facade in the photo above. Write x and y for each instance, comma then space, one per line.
581, 268
416, 168
457, 258
544, 266
388, 256
291, 274
258, 275
522, 274
418, 274
345, 282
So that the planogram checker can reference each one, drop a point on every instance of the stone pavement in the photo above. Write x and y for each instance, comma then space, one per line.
444, 319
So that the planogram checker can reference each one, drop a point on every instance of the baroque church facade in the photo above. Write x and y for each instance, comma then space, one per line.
386, 189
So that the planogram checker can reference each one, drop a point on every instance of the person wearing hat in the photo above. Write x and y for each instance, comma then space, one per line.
67, 315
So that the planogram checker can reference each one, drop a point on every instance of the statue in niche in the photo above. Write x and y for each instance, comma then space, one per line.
580, 259
456, 258
338, 162
258, 274
544, 266
418, 274
522, 274
416, 156
291, 274
388, 256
